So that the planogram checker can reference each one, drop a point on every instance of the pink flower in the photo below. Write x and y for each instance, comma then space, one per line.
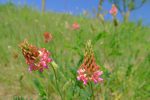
96, 76
113, 11
82, 76
85, 75
47, 37
75, 26
89, 70
37, 59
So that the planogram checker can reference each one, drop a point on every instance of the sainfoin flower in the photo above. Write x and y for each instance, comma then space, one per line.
89, 70
75, 26
113, 11
36, 58
47, 37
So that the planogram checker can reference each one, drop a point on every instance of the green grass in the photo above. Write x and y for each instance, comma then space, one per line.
126, 67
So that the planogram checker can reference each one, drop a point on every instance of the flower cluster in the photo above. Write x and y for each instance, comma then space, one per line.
75, 26
36, 58
47, 37
113, 11
89, 70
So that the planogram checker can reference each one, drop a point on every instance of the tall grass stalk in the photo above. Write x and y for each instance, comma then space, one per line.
56, 80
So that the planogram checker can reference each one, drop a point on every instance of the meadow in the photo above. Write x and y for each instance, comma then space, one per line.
122, 52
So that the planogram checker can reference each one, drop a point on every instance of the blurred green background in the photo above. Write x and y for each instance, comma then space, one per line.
125, 62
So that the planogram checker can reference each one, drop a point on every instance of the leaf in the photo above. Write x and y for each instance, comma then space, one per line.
129, 70
21, 77
98, 37
66, 85
39, 87
75, 48
20, 98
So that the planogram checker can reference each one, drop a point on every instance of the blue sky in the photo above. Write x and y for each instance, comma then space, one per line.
77, 6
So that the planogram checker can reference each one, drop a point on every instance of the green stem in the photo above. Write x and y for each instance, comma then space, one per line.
74, 87
92, 91
56, 80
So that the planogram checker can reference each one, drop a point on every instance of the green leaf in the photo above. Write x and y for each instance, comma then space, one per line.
66, 85
39, 87
98, 37
129, 69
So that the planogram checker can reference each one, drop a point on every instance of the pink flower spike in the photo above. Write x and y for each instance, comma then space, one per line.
113, 11
75, 26
89, 70
47, 37
36, 58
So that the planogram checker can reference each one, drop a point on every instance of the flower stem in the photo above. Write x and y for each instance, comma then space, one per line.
92, 91
56, 80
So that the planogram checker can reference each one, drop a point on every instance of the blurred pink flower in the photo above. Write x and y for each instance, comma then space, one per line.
89, 70
113, 11
37, 59
75, 26
47, 37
